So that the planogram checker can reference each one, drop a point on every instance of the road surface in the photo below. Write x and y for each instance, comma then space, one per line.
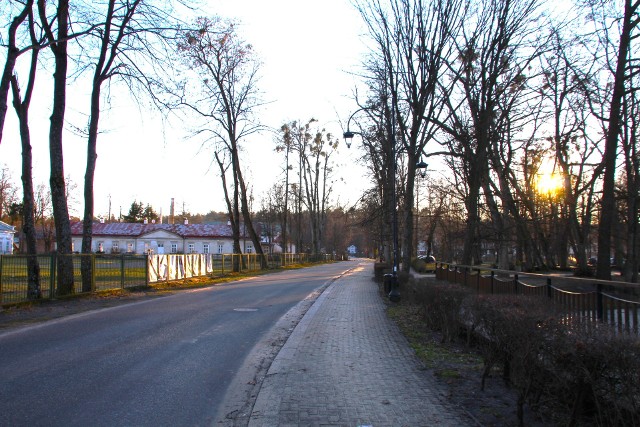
164, 361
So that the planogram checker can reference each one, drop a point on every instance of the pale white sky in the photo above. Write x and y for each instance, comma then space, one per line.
308, 48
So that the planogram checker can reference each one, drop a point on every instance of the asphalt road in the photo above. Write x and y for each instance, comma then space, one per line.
165, 361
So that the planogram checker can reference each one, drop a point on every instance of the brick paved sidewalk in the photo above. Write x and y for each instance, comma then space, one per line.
347, 364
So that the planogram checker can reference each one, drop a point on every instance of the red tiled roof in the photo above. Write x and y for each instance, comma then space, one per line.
130, 229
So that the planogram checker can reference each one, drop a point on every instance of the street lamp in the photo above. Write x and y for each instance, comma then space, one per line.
394, 294
422, 167
348, 134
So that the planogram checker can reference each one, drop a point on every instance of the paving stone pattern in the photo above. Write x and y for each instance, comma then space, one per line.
347, 364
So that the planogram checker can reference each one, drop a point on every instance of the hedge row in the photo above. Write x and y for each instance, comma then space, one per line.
578, 371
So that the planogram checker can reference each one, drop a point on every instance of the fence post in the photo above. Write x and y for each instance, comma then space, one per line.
599, 303
515, 284
493, 277
549, 287
52, 276
122, 271
146, 269
93, 271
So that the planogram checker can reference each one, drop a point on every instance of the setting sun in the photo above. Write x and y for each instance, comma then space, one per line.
549, 183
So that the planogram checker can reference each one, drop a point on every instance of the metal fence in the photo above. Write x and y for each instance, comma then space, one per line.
127, 270
590, 300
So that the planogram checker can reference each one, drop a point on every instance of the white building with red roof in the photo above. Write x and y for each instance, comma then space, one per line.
139, 238
7, 234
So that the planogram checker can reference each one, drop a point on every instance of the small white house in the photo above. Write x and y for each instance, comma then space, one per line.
138, 238
7, 234
351, 250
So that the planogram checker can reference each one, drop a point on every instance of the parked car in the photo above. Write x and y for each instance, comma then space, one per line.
430, 262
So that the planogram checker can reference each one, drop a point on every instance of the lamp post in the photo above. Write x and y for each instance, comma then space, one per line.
394, 294
421, 168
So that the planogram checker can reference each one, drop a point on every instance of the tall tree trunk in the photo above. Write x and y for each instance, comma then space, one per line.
65, 280
92, 153
246, 214
87, 220
473, 219
28, 215
234, 219
286, 205
22, 111
607, 211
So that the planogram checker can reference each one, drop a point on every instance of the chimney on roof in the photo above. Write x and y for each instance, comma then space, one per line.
146, 221
186, 221
229, 222
101, 220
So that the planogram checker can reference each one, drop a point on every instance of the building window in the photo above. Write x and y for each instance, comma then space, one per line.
249, 249
220, 248
192, 248
100, 247
129, 247
174, 248
205, 248
115, 247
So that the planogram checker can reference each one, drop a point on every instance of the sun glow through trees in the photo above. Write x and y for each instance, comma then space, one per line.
548, 182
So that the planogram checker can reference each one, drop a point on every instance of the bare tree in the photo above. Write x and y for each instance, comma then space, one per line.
622, 65
412, 42
57, 32
314, 149
316, 172
489, 65
227, 72
565, 82
285, 144
627, 239
130, 35
21, 106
